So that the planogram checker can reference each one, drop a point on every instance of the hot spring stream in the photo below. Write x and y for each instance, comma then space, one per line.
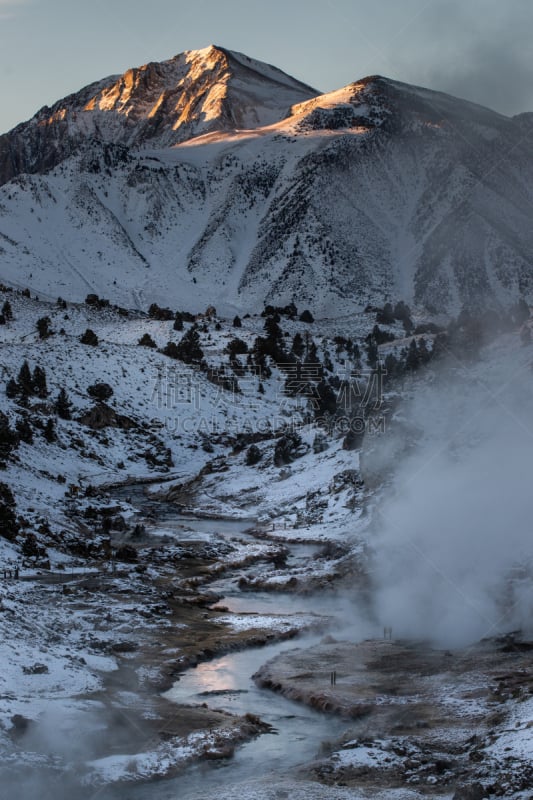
226, 683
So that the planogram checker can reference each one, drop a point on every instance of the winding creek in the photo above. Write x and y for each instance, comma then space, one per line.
226, 682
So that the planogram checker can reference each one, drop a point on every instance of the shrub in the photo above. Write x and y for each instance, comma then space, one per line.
287, 449
146, 341
306, 316
253, 455
100, 391
161, 314
89, 337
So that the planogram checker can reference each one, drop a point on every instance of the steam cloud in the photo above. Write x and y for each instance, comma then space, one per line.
453, 545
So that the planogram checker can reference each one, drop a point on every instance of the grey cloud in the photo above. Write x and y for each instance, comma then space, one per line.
479, 50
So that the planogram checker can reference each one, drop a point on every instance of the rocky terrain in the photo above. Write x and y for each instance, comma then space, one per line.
162, 508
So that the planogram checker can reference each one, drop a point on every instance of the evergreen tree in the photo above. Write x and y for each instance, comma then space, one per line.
412, 362
386, 315
8, 439
7, 311
236, 347
178, 321
392, 366
24, 430
100, 391
9, 527
39, 382
253, 455
372, 352
306, 316
12, 388
24, 380
63, 405
237, 322
423, 353
402, 311
188, 348
170, 350
146, 341
43, 327
89, 337
49, 432
298, 345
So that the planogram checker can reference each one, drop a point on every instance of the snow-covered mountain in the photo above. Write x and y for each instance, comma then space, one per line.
213, 178
163, 104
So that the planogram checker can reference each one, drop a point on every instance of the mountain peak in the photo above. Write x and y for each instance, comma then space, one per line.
159, 103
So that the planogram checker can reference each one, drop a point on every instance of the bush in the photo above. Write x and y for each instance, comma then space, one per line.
236, 347
161, 314
146, 341
89, 337
100, 391
287, 449
253, 455
24, 430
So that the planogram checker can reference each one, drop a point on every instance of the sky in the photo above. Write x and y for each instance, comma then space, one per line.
477, 49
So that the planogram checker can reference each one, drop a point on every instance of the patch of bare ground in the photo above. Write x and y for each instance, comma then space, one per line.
422, 717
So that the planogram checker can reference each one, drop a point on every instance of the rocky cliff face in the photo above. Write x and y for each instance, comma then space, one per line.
213, 178
159, 103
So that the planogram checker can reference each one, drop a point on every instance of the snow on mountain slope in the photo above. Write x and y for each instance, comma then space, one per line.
161, 103
379, 190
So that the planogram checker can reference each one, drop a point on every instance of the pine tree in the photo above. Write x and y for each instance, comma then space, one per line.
39, 382
9, 527
146, 341
237, 322
63, 405
25, 380
188, 348
89, 337
43, 327
8, 439
386, 315
298, 345
7, 311
412, 362
372, 352
24, 430
424, 354
49, 432
12, 388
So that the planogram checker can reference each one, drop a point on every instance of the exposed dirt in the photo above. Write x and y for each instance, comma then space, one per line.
422, 717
